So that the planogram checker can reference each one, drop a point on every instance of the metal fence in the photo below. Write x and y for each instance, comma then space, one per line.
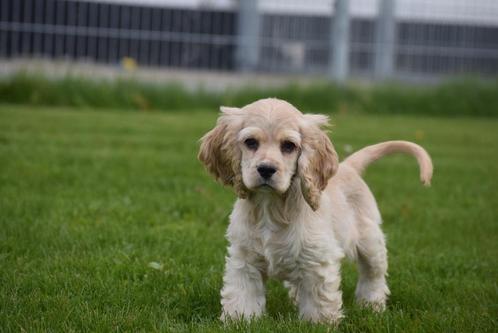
407, 39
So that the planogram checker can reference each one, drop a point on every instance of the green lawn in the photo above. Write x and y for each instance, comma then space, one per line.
89, 199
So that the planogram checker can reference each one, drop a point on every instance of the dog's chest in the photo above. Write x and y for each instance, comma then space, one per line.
281, 246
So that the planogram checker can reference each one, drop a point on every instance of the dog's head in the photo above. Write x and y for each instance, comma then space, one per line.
265, 145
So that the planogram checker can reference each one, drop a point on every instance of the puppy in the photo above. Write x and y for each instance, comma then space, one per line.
298, 212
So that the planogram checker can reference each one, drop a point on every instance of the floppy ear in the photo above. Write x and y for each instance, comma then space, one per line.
318, 161
219, 151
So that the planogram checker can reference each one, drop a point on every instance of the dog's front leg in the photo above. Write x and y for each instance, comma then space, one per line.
243, 293
318, 295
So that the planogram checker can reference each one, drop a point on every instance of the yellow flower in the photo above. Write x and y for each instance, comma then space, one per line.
129, 64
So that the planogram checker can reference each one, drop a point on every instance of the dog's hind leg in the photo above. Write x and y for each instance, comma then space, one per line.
292, 291
372, 289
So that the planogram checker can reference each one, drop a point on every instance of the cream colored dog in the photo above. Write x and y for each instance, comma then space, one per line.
299, 211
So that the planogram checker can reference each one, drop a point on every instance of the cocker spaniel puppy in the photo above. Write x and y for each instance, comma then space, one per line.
299, 211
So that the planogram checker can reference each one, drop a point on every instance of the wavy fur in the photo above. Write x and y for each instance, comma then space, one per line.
297, 225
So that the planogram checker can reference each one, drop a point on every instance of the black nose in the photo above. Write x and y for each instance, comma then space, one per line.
266, 171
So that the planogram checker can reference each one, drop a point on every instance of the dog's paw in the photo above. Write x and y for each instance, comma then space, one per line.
378, 305
226, 318
241, 309
333, 318
372, 295
236, 316
375, 301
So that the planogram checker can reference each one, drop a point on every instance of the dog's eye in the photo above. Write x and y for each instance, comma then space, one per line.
251, 143
287, 147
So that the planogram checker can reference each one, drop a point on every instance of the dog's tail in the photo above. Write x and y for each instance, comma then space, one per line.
362, 158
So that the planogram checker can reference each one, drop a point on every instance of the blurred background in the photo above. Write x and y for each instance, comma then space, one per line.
409, 40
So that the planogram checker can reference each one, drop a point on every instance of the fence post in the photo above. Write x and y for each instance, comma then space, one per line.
247, 52
385, 34
339, 41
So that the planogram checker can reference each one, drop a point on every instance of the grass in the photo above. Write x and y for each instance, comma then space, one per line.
109, 223
464, 97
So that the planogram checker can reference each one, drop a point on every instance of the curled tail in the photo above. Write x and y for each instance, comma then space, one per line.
362, 158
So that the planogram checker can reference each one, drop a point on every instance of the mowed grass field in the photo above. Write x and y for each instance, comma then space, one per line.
109, 223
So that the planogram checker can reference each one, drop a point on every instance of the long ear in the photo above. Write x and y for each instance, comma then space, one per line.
318, 161
219, 151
